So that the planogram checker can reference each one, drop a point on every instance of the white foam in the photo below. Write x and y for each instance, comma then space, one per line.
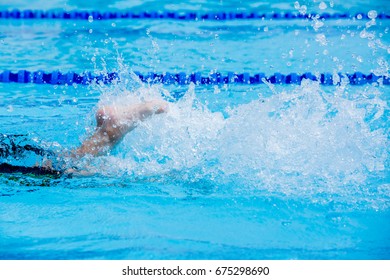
302, 142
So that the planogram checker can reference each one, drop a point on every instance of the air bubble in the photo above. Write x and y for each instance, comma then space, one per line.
359, 16
10, 108
90, 18
296, 5
90, 31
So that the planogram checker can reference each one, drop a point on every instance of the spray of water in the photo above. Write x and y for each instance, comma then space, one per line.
303, 142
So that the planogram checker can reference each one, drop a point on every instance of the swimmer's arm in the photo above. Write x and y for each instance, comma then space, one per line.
97, 144
114, 122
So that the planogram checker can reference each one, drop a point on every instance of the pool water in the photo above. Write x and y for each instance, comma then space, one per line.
231, 171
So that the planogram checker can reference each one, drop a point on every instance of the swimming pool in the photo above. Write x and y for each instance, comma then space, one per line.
232, 171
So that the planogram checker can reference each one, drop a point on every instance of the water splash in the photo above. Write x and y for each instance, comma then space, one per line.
304, 142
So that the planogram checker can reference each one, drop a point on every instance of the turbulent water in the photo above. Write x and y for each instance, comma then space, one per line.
305, 142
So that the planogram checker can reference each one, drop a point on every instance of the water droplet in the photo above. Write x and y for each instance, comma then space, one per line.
323, 6
303, 9
317, 24
90, 18
325, 52
370, 23
90, 31
321, 38
113, 24
296, 5
265, 29
372, 14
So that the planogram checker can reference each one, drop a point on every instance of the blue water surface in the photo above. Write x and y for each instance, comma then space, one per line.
231, 171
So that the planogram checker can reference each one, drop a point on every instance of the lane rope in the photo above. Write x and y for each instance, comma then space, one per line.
69, 78
176, 15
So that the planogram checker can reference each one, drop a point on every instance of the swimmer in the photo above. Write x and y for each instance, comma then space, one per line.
113, 122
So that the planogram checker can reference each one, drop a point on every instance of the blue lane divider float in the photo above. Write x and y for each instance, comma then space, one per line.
69, 78
186, 15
